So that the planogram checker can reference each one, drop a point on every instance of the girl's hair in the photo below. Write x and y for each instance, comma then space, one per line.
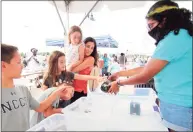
53, 66
173, 17
94, 53
72, 30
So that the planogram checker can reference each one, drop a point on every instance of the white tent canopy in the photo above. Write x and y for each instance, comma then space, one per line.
85, 6
32, 22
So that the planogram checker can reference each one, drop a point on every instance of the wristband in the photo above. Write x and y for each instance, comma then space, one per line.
118, 83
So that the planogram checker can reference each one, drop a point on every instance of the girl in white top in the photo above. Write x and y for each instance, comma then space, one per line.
75, 49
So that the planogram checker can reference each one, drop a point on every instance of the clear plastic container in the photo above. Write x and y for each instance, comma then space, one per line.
103, 112
70, 122
105, 105
50, 123
84, 122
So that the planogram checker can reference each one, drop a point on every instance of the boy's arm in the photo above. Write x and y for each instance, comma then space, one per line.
47, 102
81, 57
40, 107
50, 111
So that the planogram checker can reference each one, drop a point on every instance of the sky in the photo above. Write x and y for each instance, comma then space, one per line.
28, 24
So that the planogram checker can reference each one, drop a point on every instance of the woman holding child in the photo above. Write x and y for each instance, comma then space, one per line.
90, 60
81, 58
57, 72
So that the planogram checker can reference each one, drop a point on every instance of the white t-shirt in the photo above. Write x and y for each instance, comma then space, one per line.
72, 54
32, 64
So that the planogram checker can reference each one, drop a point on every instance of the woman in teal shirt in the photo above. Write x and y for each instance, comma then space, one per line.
171, 64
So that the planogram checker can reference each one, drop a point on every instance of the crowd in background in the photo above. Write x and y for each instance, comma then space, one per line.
111, 62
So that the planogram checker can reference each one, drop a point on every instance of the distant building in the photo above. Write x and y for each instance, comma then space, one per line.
106, 41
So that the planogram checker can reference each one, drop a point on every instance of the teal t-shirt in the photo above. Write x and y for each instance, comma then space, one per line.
106, 61
115, 67
174, 82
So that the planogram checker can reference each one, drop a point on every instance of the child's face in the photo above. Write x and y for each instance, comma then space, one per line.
75, 38
67, 93
61, 63
14, 68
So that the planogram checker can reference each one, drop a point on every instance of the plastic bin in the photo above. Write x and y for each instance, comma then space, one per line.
104, 112
104, 105
50, 124
69, 122
87, 122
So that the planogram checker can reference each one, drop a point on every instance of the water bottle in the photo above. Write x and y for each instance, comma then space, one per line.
135, 108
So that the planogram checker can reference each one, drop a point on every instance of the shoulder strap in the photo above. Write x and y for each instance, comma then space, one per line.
93, 80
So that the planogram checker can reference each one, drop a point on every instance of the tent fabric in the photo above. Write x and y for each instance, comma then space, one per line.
83, 7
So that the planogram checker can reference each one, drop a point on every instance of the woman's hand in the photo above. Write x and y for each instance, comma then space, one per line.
114, 88
113, 77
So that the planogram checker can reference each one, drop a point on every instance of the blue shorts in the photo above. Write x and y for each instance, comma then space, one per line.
177, 118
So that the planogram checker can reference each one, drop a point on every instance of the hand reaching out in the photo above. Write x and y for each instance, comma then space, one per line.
113, 77
61, 89
101, 79
114, 88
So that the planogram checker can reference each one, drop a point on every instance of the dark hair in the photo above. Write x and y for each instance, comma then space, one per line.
7, 52
122, 54
72, 30
94, 53
173, 19
32, 49
115, 60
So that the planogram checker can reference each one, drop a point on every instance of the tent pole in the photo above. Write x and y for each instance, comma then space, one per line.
89, 12
59, 17
67, 3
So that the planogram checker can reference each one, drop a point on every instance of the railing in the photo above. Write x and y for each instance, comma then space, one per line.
32, 73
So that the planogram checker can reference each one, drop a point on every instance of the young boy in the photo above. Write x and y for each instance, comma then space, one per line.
16, 101
54, 108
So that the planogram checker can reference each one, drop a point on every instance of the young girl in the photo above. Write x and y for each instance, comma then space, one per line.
57, 73
56, 76
75, 50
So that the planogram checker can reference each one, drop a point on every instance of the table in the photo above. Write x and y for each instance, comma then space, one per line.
26, 73
103, 112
